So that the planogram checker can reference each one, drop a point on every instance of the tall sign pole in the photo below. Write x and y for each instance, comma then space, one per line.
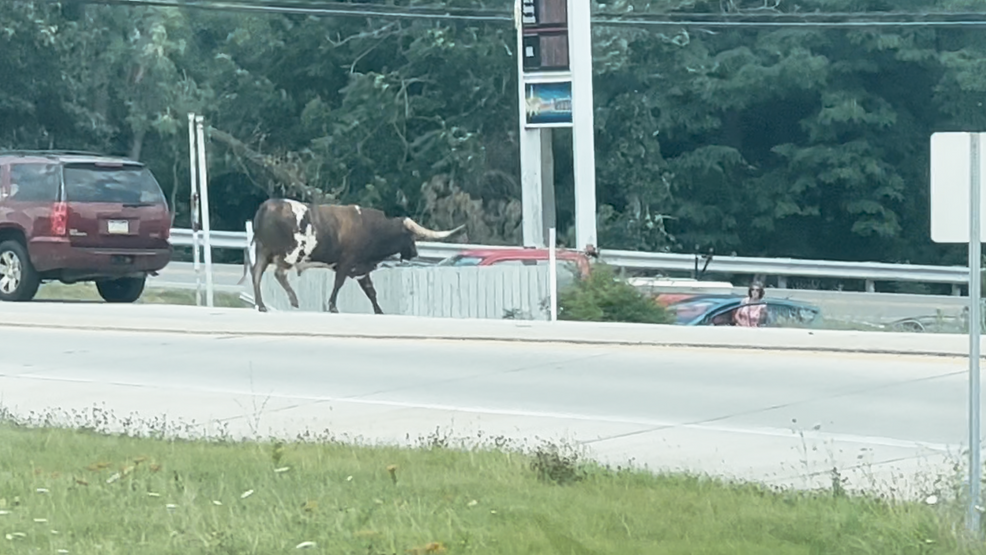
956, 217
975, 320
554, 68
204, 198
194, 206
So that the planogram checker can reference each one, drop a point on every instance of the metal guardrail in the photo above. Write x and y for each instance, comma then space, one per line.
870, 271
427, 251
220, 239
783, 267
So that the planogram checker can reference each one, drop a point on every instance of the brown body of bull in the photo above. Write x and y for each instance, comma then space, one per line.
348, 239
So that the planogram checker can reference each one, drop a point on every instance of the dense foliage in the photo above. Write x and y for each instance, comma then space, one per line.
801, 142
603, 297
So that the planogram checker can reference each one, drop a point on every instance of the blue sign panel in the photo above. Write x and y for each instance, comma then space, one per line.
549, 104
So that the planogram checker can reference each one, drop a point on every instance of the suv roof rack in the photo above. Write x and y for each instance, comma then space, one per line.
56, 152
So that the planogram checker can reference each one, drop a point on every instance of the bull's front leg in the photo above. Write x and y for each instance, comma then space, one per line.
370, 292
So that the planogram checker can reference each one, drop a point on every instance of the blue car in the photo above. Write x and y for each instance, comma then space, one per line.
719, 310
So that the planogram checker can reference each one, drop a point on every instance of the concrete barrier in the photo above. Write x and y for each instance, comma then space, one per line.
234, 321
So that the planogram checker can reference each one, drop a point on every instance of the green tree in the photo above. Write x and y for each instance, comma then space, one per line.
801, 142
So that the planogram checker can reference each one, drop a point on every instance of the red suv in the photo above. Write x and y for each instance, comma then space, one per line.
73, 217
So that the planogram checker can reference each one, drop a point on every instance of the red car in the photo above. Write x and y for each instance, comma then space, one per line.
76, 217
571, 264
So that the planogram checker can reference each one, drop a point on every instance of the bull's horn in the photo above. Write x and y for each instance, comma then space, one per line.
424, 233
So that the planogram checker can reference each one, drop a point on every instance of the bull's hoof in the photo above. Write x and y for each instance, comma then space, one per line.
294, 303
262, 308
333, 309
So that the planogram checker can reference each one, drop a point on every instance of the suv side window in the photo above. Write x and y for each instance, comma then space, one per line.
35, 182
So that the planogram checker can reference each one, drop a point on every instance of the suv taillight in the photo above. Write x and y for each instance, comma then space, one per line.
59, 219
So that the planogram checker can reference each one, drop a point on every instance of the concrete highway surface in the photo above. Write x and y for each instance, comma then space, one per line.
784, 418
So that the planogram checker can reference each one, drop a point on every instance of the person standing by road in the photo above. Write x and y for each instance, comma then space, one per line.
752, 313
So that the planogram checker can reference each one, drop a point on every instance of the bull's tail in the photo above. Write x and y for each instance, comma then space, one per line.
251, 252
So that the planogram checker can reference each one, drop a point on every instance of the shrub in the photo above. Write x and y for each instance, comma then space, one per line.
602, 297
557, 465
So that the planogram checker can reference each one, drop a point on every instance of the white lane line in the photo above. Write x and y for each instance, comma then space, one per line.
550, 415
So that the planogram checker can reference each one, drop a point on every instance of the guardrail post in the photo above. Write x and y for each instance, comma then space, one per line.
782, 282
248, 250
249, 258
956, 290
870, 286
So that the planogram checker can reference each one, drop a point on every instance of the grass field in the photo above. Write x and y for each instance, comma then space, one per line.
151, 295
79, 492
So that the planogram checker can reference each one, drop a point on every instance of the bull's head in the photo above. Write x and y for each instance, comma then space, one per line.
409, 250
418, 232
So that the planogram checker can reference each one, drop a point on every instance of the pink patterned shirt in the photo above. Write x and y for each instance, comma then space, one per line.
749, 315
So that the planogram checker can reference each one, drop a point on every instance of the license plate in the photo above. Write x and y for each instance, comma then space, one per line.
117, 226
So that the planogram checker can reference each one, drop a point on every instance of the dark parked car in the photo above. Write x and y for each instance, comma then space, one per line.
939, 323
74, 217
719, 310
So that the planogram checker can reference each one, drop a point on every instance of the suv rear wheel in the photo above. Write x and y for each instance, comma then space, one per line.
18, 279
122, 290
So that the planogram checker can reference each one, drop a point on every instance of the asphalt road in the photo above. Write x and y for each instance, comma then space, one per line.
726, 412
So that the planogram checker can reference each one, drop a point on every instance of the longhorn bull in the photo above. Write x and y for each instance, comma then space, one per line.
348, 239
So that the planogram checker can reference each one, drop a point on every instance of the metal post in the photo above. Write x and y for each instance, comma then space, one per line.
531, 185
975, 263
552, 274
206, 227
548, 212
194, 207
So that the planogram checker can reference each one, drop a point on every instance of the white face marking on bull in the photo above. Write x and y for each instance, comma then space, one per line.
304, 239
358, 211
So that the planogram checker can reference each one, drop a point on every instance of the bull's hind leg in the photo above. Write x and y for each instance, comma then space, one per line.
340, 279
257, 273
370, 292
281, 274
